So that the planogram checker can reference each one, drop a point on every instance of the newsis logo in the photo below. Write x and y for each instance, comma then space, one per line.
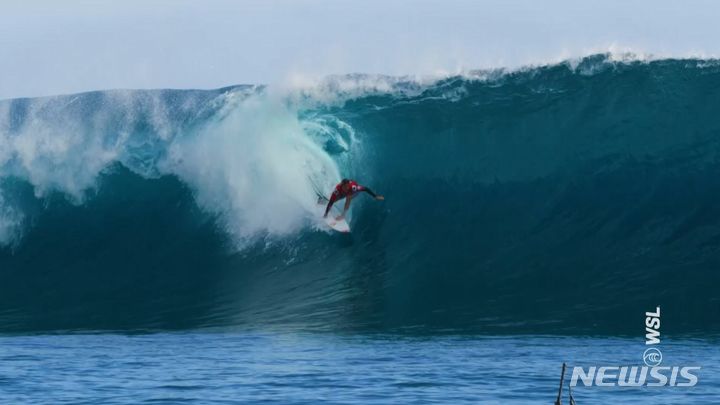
649, 375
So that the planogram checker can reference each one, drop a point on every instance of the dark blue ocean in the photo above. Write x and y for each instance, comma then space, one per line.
166, 245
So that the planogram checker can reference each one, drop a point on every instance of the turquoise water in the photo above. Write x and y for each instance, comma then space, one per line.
567, 198
563, 200
302, 368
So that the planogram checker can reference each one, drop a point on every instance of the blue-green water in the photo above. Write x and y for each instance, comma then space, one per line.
301, 368
563, 200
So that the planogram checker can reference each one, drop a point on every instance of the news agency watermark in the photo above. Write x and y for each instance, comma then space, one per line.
652, 374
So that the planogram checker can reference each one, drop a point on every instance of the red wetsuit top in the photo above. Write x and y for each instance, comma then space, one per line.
339, 193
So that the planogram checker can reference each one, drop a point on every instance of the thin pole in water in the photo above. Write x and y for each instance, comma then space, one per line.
562, 378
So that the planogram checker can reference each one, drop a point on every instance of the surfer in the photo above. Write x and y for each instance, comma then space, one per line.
347, 189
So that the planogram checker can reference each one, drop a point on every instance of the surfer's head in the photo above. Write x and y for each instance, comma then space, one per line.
345, 184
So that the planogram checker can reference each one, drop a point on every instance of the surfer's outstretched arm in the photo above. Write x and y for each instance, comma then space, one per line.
375, 196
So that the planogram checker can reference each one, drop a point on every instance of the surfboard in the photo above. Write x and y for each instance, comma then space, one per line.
340, 226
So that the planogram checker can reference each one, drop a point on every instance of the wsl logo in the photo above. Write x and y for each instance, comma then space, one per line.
650, 375
652, 356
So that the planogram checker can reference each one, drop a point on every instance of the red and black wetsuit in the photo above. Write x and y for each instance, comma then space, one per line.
339, 193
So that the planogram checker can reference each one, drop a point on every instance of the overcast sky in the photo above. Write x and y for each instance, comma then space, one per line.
50, 48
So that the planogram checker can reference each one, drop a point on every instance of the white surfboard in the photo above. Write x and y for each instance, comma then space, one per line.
340, 226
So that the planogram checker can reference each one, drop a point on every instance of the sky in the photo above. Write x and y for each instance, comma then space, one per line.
50, 47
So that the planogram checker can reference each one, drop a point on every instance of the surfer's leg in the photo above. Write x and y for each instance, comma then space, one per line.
330, 203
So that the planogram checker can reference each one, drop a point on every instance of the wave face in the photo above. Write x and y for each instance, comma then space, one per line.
568, 198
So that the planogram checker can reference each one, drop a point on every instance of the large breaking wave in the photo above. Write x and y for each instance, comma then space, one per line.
568, 198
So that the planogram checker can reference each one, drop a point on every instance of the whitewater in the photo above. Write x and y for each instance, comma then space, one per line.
562, 198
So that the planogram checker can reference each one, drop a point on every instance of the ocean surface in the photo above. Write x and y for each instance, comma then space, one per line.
299, 368
166, 245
